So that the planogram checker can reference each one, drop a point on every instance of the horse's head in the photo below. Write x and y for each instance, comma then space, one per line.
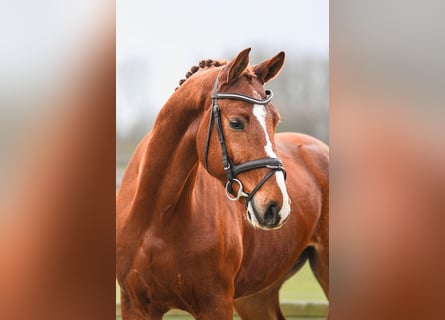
235, 140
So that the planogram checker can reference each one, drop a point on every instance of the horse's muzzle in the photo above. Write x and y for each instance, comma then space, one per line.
271, 216
266, 218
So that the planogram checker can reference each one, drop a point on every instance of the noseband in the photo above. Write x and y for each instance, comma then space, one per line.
232, 170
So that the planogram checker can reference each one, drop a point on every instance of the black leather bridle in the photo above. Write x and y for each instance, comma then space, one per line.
232, 170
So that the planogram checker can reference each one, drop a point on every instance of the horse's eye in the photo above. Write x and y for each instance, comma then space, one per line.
236, 124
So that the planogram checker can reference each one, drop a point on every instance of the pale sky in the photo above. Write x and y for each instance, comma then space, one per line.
168, 37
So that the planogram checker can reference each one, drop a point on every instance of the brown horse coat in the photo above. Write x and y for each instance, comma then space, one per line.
181, 243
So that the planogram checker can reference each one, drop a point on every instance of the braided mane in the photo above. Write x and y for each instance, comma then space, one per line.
203, 64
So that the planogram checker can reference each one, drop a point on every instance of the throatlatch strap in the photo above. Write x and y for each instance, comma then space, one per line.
227, 162
209, 131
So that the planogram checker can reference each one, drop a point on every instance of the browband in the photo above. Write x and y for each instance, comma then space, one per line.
242, 97
238, 96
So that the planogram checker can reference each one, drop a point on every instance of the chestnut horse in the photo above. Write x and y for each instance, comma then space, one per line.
215, 211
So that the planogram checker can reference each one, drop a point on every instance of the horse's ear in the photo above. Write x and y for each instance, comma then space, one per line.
235, 67
269, 69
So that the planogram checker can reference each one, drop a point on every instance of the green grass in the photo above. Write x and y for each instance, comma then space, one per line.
302, 286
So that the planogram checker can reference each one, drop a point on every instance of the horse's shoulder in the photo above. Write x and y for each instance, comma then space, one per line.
311, 151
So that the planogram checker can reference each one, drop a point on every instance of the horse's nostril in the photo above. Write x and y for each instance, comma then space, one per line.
271, 217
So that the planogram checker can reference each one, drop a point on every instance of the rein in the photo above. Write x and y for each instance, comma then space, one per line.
231, 169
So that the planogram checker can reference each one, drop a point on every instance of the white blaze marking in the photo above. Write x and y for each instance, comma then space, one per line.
259, 111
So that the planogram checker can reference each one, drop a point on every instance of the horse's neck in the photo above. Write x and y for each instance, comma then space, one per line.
170, 155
